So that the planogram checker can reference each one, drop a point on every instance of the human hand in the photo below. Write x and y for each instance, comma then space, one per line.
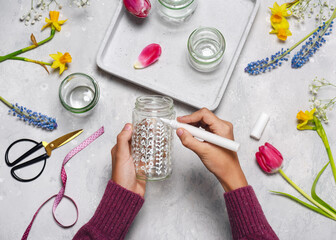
223, 163
123, 170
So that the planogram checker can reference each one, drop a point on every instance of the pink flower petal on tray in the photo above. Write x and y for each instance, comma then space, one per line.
139, 8
148, 56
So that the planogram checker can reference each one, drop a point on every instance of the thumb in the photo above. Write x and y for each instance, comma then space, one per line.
189, 141
124, 137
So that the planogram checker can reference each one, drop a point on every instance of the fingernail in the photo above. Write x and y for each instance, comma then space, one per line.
127, 127
179, 132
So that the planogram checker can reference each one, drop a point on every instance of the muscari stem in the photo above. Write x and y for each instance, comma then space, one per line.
6, 102
30, 60
11, 106
13, 54
320, 131
332, 215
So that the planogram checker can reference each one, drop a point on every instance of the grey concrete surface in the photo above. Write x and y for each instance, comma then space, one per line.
190, 204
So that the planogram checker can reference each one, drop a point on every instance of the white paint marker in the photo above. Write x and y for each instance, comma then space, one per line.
205, 135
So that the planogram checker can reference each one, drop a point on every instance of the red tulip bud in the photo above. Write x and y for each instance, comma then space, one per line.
269, 158
139, 8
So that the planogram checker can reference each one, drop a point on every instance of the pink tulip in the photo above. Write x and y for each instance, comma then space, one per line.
148, 56
139, 8
269, 158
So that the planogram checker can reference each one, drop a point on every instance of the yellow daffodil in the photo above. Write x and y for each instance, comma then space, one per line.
53, 21
279, 12
60, 61
281, 30
304, 117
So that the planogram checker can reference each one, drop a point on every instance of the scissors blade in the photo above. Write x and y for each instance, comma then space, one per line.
62, 140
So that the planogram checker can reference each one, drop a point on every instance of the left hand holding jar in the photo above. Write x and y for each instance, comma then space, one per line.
123, 170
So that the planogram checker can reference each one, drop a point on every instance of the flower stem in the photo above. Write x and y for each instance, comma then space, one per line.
304, 39
13, 54
291, 5
6, 102
12, 106
306, 195
30, 60
320, 131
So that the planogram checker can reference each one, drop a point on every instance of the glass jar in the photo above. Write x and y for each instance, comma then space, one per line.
176, 10
206, 47
79, 93
151, 138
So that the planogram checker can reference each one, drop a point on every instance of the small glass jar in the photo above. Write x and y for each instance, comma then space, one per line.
151, 138
79, 93
176, 10
206, 47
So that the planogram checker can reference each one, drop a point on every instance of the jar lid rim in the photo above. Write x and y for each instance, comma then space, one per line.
154, 103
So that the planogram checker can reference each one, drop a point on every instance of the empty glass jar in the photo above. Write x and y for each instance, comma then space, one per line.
79, 93
206, 47
151, 138
176, 10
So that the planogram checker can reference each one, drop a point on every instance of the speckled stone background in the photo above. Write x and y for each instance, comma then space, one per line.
190, 204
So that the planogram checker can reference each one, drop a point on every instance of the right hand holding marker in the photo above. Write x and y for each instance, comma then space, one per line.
223, 163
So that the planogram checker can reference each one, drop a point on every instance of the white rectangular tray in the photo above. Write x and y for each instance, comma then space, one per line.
172, 75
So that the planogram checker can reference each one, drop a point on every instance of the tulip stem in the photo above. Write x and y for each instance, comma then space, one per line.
333, 215
320, 131
331, 160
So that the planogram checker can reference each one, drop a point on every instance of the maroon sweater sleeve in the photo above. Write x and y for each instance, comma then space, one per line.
247, 219
114, 215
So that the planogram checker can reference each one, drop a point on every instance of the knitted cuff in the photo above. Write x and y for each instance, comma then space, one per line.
116, 211
245, 214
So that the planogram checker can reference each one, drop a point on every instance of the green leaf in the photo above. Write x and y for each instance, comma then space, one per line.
314, 195
318, 210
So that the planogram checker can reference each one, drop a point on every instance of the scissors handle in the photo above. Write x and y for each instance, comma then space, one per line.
43, 157
33, 161
29, 152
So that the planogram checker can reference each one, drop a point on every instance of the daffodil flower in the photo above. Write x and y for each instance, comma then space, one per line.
279, 12
308, 117
281, 30
304, 117
53, 21
60, 61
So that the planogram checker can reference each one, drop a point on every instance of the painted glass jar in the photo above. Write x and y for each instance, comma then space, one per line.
152, 139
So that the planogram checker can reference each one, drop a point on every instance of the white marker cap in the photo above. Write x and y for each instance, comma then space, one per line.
259, 126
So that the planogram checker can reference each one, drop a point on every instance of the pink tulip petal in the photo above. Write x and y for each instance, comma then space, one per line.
261, 161
139, 8
274, 149
272, 158
148, 56
277, 157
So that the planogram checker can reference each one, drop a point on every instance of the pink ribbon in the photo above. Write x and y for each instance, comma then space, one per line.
60, 195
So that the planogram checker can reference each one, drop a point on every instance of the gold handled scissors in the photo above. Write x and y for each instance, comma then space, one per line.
48, 148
